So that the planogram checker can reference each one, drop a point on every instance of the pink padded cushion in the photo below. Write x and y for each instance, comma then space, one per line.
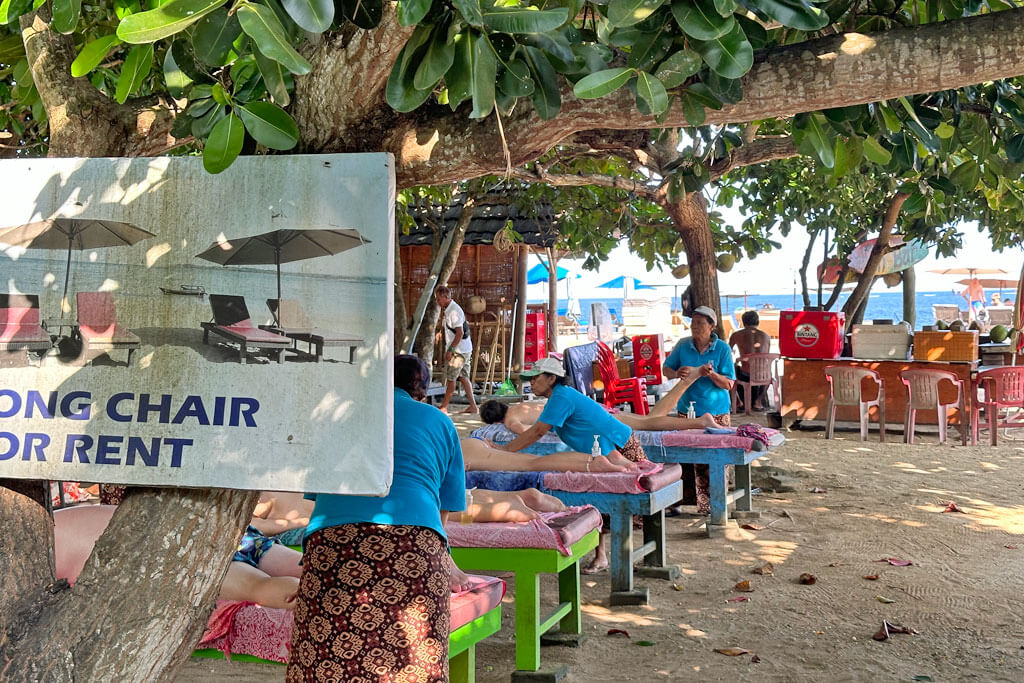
483, 595
652, 476
695, 438
19, 311
554, 530
114, 334
246, 329
96, 310
23, 334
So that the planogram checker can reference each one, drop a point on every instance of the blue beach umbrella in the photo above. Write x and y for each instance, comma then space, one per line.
539, 273
620, 283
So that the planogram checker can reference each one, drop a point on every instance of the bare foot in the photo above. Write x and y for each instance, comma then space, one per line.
541, 501
471, 410
603, 464
594, 567
707, 420
458, 581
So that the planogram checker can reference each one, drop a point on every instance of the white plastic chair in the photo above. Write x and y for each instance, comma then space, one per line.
845, 389
763, 371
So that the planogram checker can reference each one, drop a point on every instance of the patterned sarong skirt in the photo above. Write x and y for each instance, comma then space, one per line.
373, 605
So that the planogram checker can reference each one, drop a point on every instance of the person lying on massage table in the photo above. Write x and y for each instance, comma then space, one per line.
282, 515
261, 571
518, 417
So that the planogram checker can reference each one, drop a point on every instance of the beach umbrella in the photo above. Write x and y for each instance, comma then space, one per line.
281, 246
539, 273
992, 283
72, 234
968, 270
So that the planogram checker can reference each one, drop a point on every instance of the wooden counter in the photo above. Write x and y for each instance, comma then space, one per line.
805, 390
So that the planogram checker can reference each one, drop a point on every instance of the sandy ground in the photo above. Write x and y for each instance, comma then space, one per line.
963, 592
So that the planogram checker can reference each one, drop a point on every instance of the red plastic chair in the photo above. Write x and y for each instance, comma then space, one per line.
1003, 389
845, 389
763, 371
923, 394
619, 390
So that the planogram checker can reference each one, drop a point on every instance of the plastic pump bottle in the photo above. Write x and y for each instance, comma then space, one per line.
595, 450
690, 412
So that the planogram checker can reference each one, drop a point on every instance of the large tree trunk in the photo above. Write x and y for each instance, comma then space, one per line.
690, 217
910, 296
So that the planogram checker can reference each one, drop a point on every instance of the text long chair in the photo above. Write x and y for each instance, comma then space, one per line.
845, 388
923, 393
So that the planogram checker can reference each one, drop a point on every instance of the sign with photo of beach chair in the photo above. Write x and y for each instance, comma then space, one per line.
163, 326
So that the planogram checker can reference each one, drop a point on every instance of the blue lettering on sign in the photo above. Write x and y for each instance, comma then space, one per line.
35, 442
75, 405
112, 407
11, 449
109, 448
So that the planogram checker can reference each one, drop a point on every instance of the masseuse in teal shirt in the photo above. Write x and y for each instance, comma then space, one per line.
705, 353
373, 600
577, 419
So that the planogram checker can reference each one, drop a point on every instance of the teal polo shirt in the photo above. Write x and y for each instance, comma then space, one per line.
706, 396
577, 419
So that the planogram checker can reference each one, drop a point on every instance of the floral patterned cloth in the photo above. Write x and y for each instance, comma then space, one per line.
373, 605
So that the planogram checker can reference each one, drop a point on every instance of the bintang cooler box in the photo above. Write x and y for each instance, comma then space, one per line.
811, 334
647, 357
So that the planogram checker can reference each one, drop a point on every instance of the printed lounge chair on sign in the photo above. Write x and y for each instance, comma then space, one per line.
98, 327
232, 322
19, 324
293, 323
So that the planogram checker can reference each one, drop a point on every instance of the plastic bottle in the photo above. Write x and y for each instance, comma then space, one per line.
691, 412
467, 517
595, 450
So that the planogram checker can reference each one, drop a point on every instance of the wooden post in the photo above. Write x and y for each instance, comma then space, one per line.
518, 345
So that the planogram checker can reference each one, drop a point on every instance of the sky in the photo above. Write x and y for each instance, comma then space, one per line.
776, 272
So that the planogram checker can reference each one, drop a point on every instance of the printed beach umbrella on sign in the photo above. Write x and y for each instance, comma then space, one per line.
72, 234
281, 246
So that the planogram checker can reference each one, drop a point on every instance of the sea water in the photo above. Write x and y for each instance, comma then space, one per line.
881, 305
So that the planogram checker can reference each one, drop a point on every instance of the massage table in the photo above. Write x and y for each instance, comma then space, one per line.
553, 545
247, 632
687, 446
620, 496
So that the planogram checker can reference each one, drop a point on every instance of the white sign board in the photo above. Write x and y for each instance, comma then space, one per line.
157, 370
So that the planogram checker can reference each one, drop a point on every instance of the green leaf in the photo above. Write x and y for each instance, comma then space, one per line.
523, 20
485, 73
366, 14
944, 130
678, 67
943, 183
134, 71
218, 94
204, 125
65, 15
166, 20
515, 79
459, 79
315, 16
213, 37
411, 12
699, 19
547, 97
470, 11
438, 59
12, 9
400, 92
262, 25
725, 7
693, 110
730, 56
966, 175
92, 54
812, 139
185, 58
269, 125
224, 144
650, 90
601, 83
892, 121
622, 13
904, 151
874, 151
174, 77
1015, 148
275, 77
647, 51
797, 14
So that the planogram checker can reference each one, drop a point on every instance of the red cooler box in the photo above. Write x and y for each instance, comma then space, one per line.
647, 357
811, 334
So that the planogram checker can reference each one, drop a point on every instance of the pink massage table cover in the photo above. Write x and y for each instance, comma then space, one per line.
266, 632
554, 530
651, 477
